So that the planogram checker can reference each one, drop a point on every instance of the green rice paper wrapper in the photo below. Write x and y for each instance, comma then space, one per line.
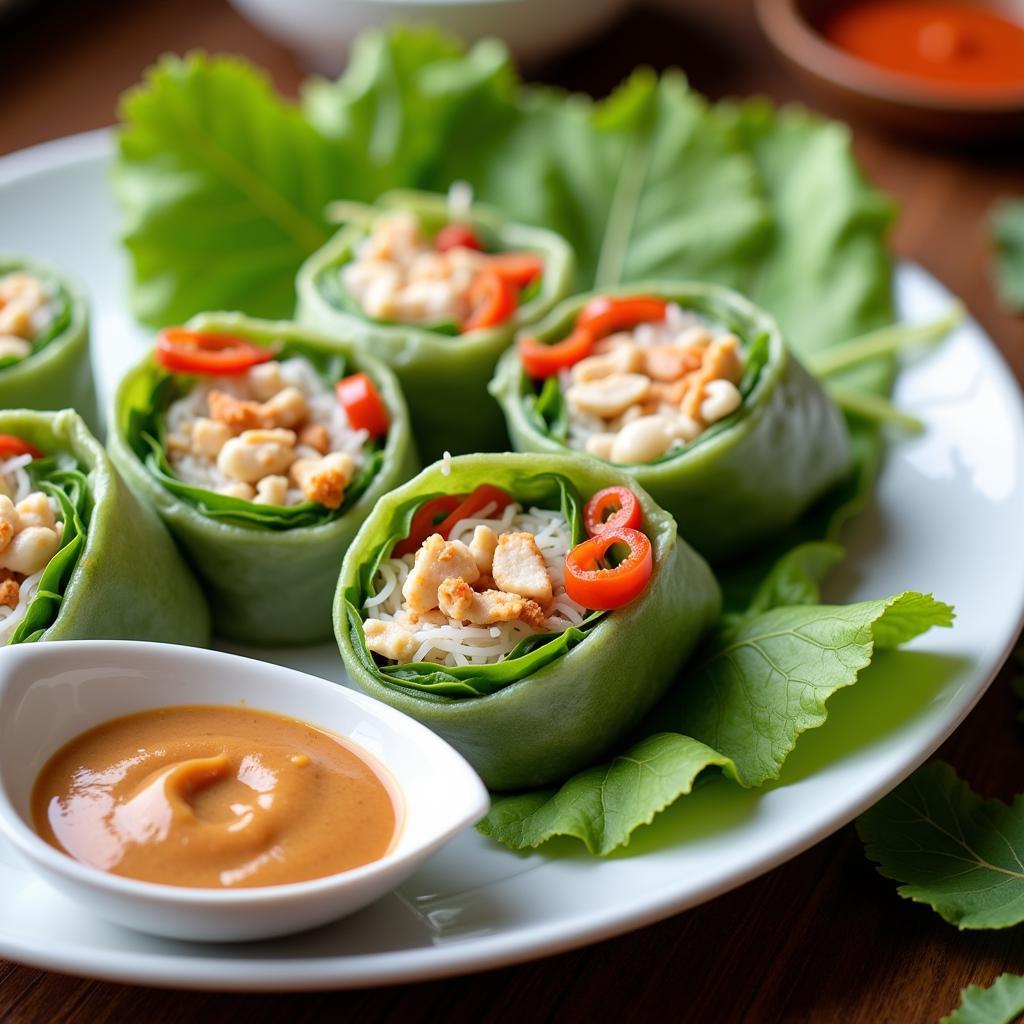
266, 585
118, 574
444, 376
549, 722
744, 478
57, 374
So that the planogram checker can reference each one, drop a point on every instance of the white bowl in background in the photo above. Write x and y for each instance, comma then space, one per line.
52, 692
320, 31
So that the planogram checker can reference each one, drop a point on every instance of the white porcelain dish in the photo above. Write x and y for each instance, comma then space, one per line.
50, 693
534, 30
945, 517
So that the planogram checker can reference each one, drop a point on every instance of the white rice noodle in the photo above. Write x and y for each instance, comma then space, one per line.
454, 643
324, 409
16, 484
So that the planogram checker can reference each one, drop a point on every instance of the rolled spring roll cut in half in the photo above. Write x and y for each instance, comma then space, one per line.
436, 290
263, 446
44, 342
80, 557
691, 390
457, 604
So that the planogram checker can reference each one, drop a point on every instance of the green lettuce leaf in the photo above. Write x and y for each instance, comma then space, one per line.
405, 95
949, 848
1001, 1003
222, 187
759, 685
1008, 237
605, 804
644, 185
766, 680
62, 479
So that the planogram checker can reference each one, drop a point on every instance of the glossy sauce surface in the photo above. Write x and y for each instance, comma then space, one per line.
959, 47
216, 797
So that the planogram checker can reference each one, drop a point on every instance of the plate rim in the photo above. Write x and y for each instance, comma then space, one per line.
226, 973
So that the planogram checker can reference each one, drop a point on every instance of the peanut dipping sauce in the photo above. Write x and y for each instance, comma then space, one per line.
215, 797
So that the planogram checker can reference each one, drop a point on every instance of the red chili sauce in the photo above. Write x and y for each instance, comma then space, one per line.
963, 47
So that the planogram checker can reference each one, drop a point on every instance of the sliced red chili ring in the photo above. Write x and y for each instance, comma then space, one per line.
610, 509
457, 236
607, 314
540, 360
181, 350
425, 521
483, 496
591, 583
493, 300
10, 445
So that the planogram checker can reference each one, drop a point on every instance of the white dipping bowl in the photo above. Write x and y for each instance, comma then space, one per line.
52, 692
321, 30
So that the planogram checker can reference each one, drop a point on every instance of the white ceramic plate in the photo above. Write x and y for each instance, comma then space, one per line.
946, 518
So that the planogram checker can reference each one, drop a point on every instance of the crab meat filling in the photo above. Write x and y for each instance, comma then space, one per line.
30, 534
26, 310
471, 599
648, 391
398, 275
275, 435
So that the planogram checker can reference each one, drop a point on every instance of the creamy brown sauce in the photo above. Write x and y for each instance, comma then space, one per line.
217, 797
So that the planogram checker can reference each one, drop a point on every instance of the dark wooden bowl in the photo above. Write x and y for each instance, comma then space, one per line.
863, 89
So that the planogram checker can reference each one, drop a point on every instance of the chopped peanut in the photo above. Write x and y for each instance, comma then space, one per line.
271, 490
9, 521
265, 380
519, 568
324, 480
237, 413
315, 436
286, 409
36, 510
209, 436
30, 550
436, 561
670, 362
9, 592
389, 640
257, 453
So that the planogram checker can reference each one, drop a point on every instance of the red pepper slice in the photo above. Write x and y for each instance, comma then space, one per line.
363, 405
221, 355
607, 314
519, 268
540, 360
493, 299
612, 509
484, 495
11, 445
425, 522
457, 236
591, 584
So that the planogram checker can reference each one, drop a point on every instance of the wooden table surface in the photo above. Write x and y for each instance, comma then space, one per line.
822, 938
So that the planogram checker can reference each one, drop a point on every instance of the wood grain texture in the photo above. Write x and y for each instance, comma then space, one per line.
822, 939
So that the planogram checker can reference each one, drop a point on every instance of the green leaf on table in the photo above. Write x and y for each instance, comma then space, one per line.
765, 680
758, 685
1001, 1003
949, 848
222, 187
1008, 237
603, 805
